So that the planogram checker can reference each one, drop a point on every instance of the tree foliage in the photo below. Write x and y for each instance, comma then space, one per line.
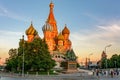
70, 55
12, 60
113, 62
36, 57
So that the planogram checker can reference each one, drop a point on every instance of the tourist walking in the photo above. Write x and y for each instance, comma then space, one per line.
97, 73
112, 73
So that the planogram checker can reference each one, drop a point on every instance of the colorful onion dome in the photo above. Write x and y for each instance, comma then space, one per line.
65, 30
47, 27
31, 30
60, 36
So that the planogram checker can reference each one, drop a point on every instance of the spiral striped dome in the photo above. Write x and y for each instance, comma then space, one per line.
31, 30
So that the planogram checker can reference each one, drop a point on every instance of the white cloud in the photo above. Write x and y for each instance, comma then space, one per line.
3, 11
110, 31
9, 39
7, 13
112, 28
9, 33
96, 39
101, 33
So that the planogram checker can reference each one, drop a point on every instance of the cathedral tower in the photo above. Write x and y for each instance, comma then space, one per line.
60, 41
31, 33
51, 20
54, 41
67, 42
47, 30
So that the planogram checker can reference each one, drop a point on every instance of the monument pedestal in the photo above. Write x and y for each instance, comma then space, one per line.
70, 67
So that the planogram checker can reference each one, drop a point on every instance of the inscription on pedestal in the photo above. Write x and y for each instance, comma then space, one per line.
72, 65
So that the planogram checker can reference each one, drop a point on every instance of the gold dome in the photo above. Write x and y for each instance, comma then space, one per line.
60, 36
31, 30
65, 30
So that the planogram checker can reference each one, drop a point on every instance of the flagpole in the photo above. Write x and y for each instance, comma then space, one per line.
106, 54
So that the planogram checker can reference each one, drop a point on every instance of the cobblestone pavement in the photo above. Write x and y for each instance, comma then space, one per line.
72, 76
75, 76
109, 78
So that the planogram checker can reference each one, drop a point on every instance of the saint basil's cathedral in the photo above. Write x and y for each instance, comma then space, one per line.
58, 42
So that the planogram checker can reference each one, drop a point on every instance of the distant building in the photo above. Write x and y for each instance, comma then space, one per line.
92, 64
103, 56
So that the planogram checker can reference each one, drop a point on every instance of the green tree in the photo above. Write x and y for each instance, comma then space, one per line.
118, 62
103, 63
114, 60
70, 55
12, 62
36, 56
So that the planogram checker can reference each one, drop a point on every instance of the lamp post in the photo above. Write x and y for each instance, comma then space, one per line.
105, 52
89, 60
90, 55
23, 58
107, 46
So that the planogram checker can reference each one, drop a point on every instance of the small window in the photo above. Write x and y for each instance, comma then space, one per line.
58, 56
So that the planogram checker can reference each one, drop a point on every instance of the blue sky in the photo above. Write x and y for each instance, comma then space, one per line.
93, 23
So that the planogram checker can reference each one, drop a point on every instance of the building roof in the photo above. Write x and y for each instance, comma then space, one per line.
47, 27
51, 18
31, 30
60, 36
65, 30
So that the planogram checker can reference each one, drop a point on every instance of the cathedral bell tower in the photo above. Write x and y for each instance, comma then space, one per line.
47, 30
31, 33
67, 42
51, 20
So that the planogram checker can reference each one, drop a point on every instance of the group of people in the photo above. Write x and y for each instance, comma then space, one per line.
107, 72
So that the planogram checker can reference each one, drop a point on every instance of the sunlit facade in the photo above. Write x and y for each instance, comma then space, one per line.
58, 42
